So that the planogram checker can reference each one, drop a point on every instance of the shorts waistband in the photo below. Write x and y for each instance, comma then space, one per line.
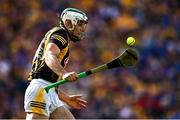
39, 80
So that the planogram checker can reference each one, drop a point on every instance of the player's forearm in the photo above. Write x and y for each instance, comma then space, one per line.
53, 63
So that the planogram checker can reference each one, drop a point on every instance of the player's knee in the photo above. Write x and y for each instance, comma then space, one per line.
62, 113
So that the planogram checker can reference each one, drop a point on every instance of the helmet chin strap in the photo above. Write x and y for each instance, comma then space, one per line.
73, 37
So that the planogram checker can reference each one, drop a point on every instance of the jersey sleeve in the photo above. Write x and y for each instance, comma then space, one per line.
59, 38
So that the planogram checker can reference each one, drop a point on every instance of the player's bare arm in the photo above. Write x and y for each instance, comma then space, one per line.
51, 59
74, 101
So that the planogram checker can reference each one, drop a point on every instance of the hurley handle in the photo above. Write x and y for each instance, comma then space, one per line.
80, 75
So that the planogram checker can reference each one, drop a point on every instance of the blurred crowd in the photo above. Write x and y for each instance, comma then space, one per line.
151, 89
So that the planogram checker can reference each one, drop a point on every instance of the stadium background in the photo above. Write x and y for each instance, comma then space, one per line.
151, 90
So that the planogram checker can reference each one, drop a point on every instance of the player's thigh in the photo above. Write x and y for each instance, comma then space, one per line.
61, 113
30, 116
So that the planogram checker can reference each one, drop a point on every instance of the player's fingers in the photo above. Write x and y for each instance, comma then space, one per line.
68, 78
71, 78
82, 101
82, 105
76, 96
75, 76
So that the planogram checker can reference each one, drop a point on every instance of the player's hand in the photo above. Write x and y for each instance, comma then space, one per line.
71, 76
76, 102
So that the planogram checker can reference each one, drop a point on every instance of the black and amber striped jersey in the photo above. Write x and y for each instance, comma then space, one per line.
59, 36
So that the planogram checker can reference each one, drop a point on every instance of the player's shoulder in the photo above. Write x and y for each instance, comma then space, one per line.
60, 34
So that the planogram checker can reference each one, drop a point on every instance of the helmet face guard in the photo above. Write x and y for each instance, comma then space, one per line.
75, 16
